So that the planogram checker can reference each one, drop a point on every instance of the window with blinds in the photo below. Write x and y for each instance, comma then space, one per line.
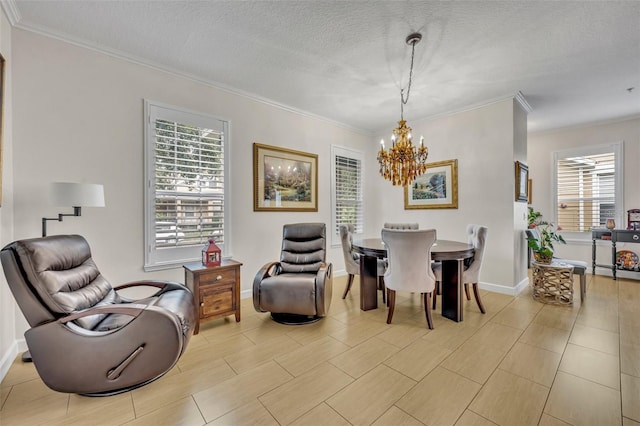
588, 188
347, 184
185, 185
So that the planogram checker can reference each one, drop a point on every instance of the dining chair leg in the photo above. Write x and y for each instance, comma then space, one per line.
434, 297
427, 310
466, 291
476, 293
391, 301
381, 286
348, 287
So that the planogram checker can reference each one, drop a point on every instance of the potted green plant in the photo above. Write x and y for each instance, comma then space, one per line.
543, 246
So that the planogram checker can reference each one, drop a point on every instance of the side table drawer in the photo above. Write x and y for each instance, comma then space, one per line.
627, 236
213, 277
216, 300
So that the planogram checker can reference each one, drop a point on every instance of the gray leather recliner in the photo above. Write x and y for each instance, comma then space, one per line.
84, 337
297, 289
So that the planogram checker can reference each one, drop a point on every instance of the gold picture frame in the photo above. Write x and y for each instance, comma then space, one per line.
522, 182
437, 188
284, 180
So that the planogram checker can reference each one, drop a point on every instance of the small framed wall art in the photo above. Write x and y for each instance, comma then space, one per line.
522, 182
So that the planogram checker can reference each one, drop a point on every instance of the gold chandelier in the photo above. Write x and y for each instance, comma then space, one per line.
403, 162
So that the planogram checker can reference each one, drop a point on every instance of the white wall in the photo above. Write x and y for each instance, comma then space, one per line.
520, 211
541, 147
8, 332
79, 117
482, 140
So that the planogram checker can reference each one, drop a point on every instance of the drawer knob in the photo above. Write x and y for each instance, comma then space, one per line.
202, 304
219, 277
635, 237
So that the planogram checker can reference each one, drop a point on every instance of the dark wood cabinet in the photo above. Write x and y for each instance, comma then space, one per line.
216, 290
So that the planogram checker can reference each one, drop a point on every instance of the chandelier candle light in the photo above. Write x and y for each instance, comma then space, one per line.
403, 162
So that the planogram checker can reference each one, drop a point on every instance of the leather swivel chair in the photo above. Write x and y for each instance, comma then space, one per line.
297, 289
85, 338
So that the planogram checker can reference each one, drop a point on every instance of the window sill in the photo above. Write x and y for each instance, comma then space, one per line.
175, 264
164, 266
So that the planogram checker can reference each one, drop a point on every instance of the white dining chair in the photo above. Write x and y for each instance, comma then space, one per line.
409, 266
389, 225
476, 236
352, 261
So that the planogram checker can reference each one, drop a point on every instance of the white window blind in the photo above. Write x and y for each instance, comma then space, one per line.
588, 188
347, 182
185, 185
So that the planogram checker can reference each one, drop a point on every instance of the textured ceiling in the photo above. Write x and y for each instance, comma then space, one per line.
346, 60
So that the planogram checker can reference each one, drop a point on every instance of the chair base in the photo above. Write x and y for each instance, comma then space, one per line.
294, 319
119, 391
26, 356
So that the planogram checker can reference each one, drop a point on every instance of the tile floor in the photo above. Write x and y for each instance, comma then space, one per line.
522, 363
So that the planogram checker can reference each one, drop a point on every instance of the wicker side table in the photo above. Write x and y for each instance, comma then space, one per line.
553, 283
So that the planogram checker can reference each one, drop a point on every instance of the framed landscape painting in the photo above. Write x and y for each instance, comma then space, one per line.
284, 179
437, 188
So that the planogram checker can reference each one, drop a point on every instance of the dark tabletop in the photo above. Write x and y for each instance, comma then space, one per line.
441, 249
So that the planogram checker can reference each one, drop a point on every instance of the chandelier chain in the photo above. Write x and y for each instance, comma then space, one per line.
404, 101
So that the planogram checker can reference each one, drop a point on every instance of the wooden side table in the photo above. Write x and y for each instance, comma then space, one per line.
216, 290
553, 283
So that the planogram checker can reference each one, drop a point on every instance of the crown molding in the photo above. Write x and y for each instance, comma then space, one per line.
11, 10
470, 108
583, 125
175, 72
519, 97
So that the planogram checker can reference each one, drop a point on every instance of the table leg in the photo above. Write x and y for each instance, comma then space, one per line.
368, 282
593, 257
452, 289
613, 258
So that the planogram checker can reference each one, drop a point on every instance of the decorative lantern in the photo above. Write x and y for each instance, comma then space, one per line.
211, 254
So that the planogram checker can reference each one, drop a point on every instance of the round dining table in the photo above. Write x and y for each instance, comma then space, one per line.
452, 255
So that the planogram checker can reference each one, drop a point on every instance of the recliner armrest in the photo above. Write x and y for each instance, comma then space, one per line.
162, 285
324, 287
324, 272
268, 270
131, 309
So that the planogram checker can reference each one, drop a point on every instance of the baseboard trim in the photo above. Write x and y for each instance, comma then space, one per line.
495, 288
522, 285
7, 359
510, 291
